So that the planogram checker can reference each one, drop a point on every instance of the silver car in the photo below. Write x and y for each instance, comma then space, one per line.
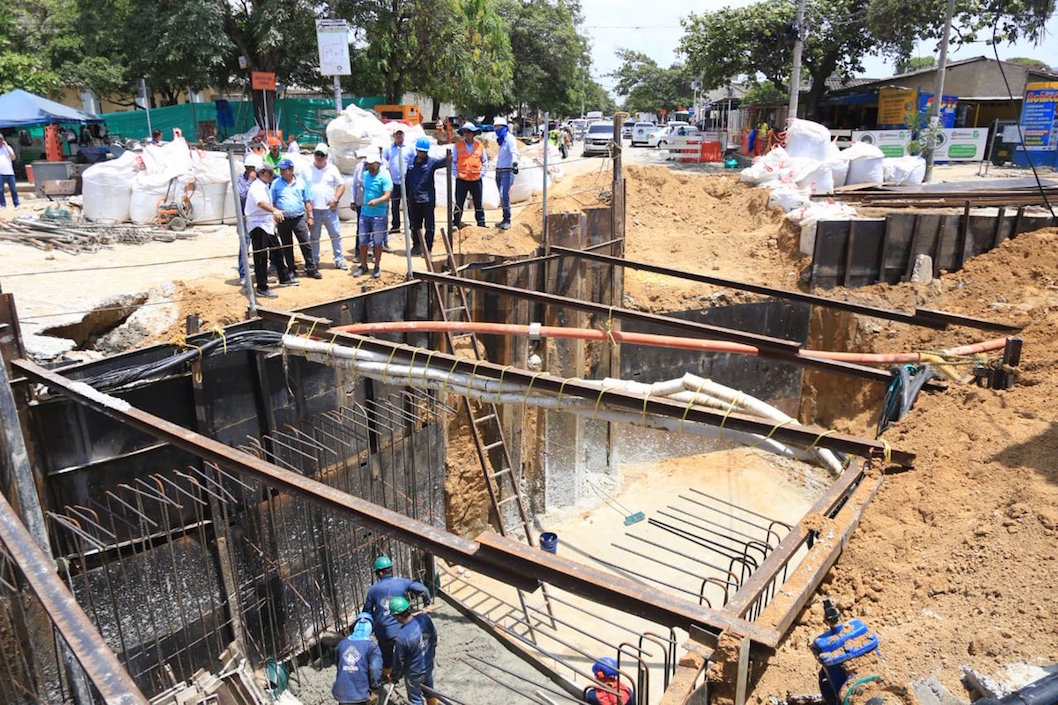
598, 138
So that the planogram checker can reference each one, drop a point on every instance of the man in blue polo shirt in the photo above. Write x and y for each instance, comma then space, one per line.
378, 186
290, 195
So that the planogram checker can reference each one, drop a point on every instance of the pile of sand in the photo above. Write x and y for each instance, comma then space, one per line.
954, 561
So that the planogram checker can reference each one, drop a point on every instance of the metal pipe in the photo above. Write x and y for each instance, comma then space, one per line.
244, 241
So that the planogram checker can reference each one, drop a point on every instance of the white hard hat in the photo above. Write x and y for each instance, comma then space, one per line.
253, 160
499, 122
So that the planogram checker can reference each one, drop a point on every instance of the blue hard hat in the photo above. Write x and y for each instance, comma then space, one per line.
364, 617
423, 144
285, 164
605, 667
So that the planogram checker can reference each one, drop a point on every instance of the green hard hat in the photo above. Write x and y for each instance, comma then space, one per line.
398, 605
383, 562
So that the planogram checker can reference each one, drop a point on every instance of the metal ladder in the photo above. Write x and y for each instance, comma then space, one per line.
484, 420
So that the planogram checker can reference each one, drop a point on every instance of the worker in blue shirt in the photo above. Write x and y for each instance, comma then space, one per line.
506, 168
359, 664
290, 195
377, 605
422, 194
413, 652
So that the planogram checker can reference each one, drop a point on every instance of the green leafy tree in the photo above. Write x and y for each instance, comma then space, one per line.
550, 56
649, 87
915, 63
763, 93
19, 66
1031, 63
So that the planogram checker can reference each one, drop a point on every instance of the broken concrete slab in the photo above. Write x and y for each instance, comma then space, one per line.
44, 348
930, 691
153, 318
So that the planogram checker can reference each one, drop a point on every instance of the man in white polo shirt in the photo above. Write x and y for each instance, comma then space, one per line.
326, 187
261, 218
7, 172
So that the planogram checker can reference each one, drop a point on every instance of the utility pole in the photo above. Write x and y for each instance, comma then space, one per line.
934, 113
795, 73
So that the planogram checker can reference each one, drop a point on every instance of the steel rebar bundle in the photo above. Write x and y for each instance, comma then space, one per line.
77, 237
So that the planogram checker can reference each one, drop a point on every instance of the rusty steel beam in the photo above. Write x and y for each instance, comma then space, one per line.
512, 562
100, 663
770, 348
921, 317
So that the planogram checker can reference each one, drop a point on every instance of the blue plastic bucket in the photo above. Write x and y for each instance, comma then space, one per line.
549, 541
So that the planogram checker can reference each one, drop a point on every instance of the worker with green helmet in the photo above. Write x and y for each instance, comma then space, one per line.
413, 652
386, 586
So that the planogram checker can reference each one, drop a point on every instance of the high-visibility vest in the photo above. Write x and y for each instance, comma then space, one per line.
469, 161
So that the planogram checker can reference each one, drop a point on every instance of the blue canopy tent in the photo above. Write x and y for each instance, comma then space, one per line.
20, 108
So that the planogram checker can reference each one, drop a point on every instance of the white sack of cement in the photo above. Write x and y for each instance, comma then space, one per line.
765, 167
107, 188
809, 140
354, 129
789, 198
811, 214
819, 180
528, 180
904, 171
865, 164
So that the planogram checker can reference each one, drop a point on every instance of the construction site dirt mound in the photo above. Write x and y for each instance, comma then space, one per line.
954, 561
473, 240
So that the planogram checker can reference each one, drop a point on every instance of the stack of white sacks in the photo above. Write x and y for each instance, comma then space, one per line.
129, 189
812, 165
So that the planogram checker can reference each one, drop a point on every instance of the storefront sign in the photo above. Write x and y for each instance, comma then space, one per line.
894, 104
1039, 119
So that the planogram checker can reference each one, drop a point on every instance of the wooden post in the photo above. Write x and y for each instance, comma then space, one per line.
617, 190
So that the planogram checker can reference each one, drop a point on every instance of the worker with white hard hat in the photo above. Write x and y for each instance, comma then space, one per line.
506, 168
472, 163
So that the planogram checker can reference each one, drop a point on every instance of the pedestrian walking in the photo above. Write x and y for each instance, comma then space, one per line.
422, 194
326, 187
358, 664
396, 157
292, 197
7, 173
261, 219
377, 190
506, 169
413, 651
377, 604
472, 163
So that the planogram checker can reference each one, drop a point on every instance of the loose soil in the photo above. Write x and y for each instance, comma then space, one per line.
953, 561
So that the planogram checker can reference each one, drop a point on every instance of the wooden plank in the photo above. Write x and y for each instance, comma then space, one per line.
998, 233
964, 230
850, 246
1017, 222
917, 236
829, 253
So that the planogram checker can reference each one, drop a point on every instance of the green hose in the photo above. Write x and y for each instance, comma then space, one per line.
857, 682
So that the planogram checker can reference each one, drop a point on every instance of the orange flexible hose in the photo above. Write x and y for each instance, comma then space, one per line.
663, 341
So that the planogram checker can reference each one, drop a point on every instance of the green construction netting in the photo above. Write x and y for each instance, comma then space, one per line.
305, 118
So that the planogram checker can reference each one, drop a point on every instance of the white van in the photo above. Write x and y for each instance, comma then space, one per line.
593, 115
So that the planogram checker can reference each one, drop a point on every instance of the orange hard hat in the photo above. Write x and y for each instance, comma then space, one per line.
274, 142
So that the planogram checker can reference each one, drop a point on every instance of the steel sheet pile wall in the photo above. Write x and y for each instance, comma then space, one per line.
173, 558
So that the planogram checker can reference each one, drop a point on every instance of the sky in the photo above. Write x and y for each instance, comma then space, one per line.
653, 27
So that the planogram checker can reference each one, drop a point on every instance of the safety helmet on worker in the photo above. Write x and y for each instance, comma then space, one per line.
468, 126
364, 617
605, 667
253, 161
383, 563
398, 605
422, 144
499, 122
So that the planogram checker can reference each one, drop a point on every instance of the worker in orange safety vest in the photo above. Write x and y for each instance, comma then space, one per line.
472, 163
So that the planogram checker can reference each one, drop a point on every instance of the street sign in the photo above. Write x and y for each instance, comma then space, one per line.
262, 81
332, 37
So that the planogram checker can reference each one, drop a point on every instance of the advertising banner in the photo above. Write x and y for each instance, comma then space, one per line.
965, 144
893, 143
1038, 117
948, 107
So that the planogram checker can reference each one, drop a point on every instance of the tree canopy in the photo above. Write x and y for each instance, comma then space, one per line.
648, 87
915, 63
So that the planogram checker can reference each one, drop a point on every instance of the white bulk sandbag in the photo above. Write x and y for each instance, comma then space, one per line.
528, 180
865, 164
143, 204
345, 203
764, 168
820, 180
352, 130
106, 189
230, 205
904, 170
789, 198
208, 202
839, 171
490, 192
809, 140
810, 215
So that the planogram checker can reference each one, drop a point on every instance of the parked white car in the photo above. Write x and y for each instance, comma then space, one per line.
641, 132
663, 137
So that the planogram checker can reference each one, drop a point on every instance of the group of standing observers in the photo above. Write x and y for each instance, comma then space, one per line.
404, 646
282, 207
